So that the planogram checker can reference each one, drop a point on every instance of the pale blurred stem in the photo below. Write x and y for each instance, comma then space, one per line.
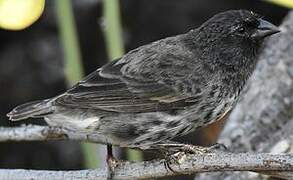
114, 43
69, 38
73, 65
113, 30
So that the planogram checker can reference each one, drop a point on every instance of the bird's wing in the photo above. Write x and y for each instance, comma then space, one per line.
141, 81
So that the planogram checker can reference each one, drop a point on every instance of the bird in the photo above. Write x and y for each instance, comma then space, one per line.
163, 89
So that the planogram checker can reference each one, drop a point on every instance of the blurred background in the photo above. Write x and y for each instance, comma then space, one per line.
73, 38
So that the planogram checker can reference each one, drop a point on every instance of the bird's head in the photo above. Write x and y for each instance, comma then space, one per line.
232, 37
238, 25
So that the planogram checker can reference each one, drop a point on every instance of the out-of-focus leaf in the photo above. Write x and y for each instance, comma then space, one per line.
285, 3
19, 14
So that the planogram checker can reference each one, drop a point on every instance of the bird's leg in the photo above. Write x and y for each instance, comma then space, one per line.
172, 147
111, 162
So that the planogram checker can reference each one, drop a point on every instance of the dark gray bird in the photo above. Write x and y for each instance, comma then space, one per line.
164, 89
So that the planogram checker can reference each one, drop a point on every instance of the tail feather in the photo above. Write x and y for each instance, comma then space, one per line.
31, 109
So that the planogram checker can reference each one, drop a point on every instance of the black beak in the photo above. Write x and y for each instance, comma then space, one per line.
264, 29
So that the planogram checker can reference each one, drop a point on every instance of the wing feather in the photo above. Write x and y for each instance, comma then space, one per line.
119, 87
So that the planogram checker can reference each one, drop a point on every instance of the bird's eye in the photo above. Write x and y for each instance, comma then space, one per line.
241, 30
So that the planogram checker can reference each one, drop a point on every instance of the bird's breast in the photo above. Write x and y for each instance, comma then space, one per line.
211, 109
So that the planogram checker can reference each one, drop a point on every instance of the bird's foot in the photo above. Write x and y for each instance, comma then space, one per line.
176, 153
112, 164
176, 158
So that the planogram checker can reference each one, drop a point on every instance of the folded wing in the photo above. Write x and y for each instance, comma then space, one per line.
126, 85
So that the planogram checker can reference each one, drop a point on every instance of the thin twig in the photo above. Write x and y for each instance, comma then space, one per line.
267, 163
45, 133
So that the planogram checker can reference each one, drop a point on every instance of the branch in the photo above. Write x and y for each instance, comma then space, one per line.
216, 161
220, 161
45, 133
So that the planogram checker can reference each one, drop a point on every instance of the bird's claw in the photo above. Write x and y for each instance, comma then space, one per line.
219, 146
112, 164
176, 158
178, 152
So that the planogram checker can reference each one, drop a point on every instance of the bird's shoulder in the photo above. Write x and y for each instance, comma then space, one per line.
165, 61
164, 53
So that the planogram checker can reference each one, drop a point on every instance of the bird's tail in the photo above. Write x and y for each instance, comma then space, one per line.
31, 109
